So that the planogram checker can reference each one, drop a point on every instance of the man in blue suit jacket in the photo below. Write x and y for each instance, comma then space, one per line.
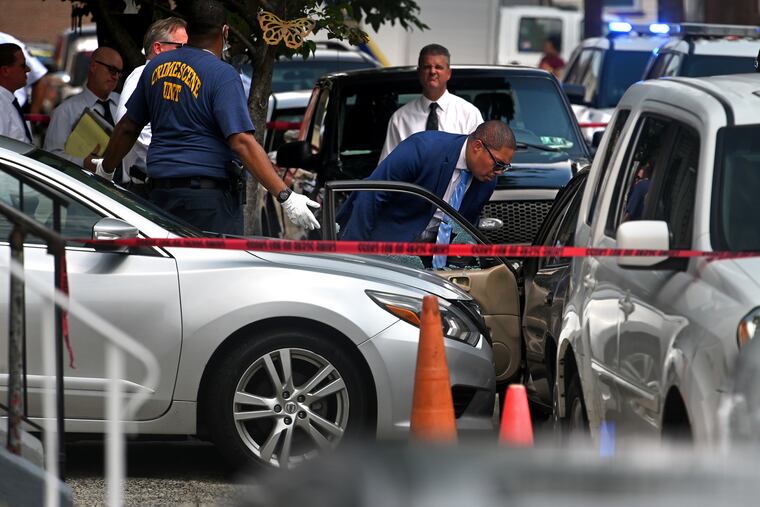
434, 160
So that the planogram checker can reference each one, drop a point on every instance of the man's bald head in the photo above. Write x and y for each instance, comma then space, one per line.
106, 67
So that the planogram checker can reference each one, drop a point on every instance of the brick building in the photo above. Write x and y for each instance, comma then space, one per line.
35, 20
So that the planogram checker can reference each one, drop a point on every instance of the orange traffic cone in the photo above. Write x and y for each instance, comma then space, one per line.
516, 427
432, 405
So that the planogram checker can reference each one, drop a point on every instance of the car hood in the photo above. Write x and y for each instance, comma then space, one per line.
552, 175
368, 268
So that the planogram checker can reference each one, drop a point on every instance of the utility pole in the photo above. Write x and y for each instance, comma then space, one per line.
592, 18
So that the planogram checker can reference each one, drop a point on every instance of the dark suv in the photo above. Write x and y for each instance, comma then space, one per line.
346, 121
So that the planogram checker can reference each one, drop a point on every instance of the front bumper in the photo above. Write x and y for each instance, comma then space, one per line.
392, 357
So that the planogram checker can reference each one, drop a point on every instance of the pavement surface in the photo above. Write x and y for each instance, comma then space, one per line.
158, 473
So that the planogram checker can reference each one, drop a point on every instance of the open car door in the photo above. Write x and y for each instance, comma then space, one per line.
492, 282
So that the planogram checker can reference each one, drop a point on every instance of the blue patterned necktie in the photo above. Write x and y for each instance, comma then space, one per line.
444, 229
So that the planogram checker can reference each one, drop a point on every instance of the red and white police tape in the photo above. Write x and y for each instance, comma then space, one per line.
398, 248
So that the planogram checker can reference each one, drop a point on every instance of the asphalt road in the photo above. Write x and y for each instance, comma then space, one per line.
158, 473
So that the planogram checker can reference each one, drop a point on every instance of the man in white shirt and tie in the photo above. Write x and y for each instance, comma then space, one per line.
13, 71
436, 109
103, 75
163, 35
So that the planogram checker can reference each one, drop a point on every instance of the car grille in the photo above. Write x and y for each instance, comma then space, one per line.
521, 219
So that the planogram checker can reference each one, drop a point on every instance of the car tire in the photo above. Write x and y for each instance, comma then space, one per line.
574, 425
260, 410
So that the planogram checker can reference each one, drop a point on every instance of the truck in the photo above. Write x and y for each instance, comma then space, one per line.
481, 32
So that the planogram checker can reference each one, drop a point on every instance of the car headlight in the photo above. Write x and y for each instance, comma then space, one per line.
748, 327
455, 323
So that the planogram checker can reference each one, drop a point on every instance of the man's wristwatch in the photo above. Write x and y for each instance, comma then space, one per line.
283, 195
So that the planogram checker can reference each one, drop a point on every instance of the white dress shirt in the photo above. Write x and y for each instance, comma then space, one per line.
455, 115
37, 69
139, 152
431, 231
66, 116
10, 121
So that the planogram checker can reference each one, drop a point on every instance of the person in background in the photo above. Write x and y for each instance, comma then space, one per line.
634, 208
162, 36
13, 69
436, 108
31, 95
103, 75
200, 122
551, 60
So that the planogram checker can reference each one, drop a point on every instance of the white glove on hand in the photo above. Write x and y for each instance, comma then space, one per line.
99, 169
297, 209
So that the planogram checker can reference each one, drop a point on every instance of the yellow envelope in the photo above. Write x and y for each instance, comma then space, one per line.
91, 130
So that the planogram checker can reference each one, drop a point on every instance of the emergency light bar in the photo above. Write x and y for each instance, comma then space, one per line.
709, 30
617, 28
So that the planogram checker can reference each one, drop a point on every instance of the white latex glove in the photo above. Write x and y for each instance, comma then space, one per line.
99, 169
297, 209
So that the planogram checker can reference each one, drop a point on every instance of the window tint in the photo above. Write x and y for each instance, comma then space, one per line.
660, 64
534, 31
715, 65
632, 185
675, 188
316, 135
621, 70
610, 150
563, 231
76, 220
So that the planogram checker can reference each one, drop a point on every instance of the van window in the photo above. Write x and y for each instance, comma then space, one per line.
610, 149
535, 31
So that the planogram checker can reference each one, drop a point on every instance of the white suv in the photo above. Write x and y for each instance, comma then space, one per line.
601, 69
648, 343
697, 50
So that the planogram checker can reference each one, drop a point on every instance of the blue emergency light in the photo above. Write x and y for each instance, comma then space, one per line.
659, 28
619, 27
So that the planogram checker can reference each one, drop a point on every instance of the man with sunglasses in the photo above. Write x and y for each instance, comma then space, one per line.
163, 35
103, 73
460, 169
200, 123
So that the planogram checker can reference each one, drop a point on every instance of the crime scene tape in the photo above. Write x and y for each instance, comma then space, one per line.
399, 248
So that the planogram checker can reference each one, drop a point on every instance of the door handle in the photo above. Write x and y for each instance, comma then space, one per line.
589, 282
626, 305
463, 282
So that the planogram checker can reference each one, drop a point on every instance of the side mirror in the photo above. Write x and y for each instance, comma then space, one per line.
643, 235
576, 93
112, 228
295, 154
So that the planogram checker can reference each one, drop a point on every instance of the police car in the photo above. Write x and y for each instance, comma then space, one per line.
700, 50
601, 69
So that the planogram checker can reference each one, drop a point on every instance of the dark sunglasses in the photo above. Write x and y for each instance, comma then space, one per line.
498, 165
178, 44
113, 70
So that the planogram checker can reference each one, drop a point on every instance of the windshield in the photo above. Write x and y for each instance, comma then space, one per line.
714, 65
532, 106
118, 194
737, 190
298, 74
621, 70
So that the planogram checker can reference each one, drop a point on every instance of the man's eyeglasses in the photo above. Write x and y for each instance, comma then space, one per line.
115, 71
177, 44
498, 165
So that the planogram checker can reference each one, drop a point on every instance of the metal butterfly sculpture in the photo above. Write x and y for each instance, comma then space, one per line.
292, 31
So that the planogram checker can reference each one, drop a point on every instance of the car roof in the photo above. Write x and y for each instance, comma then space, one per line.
457, 70
740, 93
712, 46
633, 42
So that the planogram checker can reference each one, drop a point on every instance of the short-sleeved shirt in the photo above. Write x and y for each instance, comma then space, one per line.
194, 102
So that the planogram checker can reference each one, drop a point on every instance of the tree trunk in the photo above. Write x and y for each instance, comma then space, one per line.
670, 11
592, 19
120, 31
258, 100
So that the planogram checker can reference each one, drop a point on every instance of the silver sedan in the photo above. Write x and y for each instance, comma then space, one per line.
272, 356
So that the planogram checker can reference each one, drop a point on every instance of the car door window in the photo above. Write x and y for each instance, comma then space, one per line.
576, 72
674, 189
534, 31
609, 152
673, 67
659, 65
642, 160
563, 230
317, 133
590, 78
77, 220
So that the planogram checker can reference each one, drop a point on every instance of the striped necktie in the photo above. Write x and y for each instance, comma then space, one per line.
444, 229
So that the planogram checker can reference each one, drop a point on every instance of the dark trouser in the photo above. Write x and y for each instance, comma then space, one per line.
209, 209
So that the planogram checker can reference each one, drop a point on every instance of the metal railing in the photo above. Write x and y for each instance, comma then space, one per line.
119, 344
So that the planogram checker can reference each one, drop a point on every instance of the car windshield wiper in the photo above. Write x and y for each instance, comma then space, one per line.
542, 147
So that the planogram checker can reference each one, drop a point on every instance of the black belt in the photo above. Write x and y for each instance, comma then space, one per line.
193, 182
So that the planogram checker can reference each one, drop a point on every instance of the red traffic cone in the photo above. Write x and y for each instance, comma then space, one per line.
432, 405
516, 427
